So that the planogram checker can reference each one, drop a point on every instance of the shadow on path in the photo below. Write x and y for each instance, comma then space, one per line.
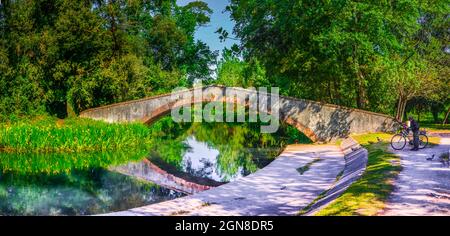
423, 186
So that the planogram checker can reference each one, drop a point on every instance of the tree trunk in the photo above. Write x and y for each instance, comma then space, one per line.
359, 85
116, 46
401, 106
446, 117
330, 92
69, 109
403, 114
397, 111
359, 95
337, 92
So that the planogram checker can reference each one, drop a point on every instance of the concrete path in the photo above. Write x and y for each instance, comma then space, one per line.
423, 186
277, 189
356, 159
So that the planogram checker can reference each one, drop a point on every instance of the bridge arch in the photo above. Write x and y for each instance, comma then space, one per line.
166, 109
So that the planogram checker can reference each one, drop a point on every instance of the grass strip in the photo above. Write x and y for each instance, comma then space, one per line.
367, 196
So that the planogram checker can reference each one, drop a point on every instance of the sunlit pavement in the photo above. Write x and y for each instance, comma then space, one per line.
423, 186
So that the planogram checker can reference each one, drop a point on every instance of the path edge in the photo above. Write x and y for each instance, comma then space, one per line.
356, 158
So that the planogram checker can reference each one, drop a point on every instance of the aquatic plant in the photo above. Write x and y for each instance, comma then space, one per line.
57, 163
47, 135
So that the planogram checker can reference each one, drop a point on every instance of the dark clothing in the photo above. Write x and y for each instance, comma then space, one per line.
414, 126
416, 140
415, 130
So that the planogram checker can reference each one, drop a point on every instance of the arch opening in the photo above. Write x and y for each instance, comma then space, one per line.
166, 109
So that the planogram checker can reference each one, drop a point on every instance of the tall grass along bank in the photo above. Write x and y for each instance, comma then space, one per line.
46, 134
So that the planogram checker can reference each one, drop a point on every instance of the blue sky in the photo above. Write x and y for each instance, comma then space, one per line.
218, 19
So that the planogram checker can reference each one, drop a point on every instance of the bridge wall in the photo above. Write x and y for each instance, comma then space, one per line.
319, 121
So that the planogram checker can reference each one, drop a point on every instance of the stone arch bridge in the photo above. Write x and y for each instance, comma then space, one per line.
319, 121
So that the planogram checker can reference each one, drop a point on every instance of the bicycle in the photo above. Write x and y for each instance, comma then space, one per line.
398, 141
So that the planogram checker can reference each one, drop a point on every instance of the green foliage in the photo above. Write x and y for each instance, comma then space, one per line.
47, 135
422, 105
365, 54
52, 146
59, 55
57, 163
230, 72
234, 72
89, 192
121, 79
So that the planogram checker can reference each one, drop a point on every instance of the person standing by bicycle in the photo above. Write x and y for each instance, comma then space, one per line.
414, 126
419, 140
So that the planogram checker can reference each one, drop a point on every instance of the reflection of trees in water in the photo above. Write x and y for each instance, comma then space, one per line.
241, 146
57, 163
235, 142
205, 170
76, 193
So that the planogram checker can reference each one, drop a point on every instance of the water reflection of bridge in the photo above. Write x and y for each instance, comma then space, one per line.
178, 181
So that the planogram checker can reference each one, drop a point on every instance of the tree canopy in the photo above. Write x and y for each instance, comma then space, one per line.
60, 56
364, 54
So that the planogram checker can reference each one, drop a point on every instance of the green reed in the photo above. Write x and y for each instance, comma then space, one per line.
45, 135
57, 163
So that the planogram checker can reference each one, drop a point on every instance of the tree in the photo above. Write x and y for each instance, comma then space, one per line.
446, 117
424, 54
232, 71
341, 51
59, 56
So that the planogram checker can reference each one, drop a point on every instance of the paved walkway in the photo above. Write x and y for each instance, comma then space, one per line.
355, 165
423, 186
277, 189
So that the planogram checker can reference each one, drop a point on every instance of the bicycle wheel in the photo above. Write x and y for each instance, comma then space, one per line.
398, 142
423, 141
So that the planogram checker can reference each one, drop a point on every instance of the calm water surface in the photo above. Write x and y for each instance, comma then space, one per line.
82, 183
